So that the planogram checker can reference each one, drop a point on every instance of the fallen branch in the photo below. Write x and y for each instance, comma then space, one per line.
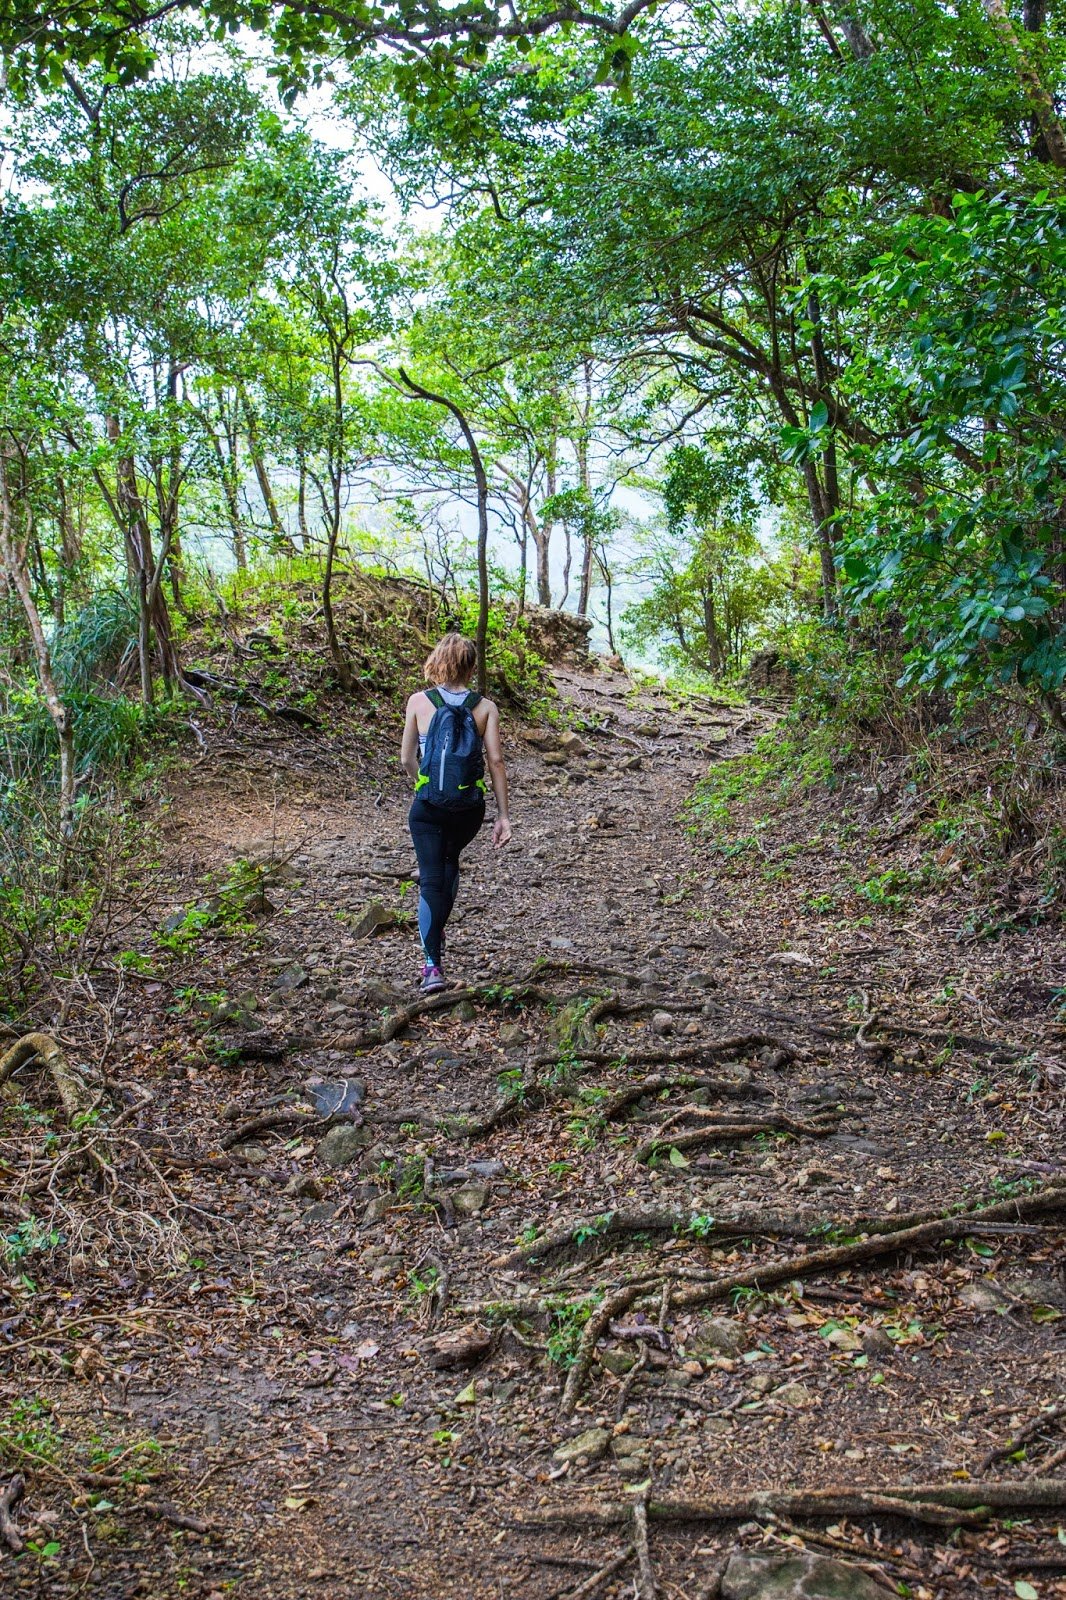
41, 1047
10, 1498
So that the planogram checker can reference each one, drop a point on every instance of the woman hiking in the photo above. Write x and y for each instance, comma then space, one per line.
449, 736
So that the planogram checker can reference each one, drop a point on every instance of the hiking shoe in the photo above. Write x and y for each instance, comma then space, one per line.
432, 980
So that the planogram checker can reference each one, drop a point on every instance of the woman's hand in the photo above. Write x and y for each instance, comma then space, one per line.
501, 831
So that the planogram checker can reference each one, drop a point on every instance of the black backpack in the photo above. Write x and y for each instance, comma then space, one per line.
452, 770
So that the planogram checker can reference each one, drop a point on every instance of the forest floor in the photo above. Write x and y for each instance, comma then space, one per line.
676, 1072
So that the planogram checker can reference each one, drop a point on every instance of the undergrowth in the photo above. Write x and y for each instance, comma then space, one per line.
958, 788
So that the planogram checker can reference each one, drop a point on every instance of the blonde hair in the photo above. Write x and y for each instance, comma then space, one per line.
453, 660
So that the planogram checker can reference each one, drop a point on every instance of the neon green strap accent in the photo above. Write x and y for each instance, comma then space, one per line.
421, 781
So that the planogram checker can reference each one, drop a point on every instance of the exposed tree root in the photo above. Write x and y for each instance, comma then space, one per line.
935, 1504
277, 1119
74, 1093
659, 1083
859, 1552
200, 679
595, 1327
959, 1041
718, 1130
923, 1235
9, 1531
647, 1588
629, 1382
660, 1219
741, 1224
1030, 1430
764, 1275
504, 992
163, 1511
610, 1569
540, 1093
1053, 1463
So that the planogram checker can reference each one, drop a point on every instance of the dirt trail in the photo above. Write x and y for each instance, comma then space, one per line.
306, 1418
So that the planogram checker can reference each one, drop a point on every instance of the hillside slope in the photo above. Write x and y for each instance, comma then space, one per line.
503, 1256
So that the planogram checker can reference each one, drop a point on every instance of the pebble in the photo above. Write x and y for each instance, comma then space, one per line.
591, 1445
342, 1145
717, 1336
795, 1395
795, 1575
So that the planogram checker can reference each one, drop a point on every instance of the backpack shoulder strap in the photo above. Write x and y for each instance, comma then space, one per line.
473, 699
435, 698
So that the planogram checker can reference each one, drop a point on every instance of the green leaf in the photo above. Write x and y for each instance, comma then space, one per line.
677, 1159
1025, 1591
819, 417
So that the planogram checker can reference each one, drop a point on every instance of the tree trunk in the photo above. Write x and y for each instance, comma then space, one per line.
523, 565
301, 503
543, 534
823, 533
1034, 20
587, 543
544, 588
70, 547
14, 558
481, 482
567, 558
336, 649
170, 519
608, 583
824, 495
153, 613
581, 447
228, 463
715, 653
255, 450
1040, 99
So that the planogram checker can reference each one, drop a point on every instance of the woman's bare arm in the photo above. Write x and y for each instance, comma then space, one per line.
497, 776
409, 743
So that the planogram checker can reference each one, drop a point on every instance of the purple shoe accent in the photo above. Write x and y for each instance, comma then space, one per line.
432, 980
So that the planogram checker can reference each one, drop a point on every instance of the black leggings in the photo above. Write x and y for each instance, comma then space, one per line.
438, 837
